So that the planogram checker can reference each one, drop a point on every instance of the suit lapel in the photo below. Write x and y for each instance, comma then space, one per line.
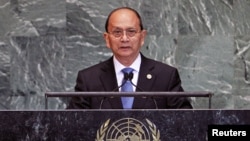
108, 80
108, 77
147, 76
146, 79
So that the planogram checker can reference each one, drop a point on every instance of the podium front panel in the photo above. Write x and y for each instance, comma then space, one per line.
112, 125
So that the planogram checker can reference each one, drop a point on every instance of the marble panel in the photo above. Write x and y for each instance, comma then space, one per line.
206, 64
37, 66
43, 44
242, 72
34, 17
206, 17
5, 90
242, 17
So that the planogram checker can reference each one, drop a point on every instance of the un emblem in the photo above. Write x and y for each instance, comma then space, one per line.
128, 129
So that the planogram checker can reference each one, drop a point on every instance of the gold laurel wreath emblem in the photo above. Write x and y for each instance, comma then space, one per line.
102, 131
153, 129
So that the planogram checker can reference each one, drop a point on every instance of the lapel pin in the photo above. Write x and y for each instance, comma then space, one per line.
149, 76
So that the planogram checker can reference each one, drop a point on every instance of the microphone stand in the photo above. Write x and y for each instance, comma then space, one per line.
128, 77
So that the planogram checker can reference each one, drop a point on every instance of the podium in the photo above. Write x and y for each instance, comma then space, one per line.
112, 125
116, 124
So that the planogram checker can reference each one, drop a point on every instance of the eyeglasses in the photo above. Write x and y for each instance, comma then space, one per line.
119, 32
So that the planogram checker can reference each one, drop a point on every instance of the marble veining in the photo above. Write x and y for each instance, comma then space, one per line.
43, 44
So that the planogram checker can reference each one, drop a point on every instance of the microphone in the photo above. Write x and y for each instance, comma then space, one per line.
126, 77
130, 77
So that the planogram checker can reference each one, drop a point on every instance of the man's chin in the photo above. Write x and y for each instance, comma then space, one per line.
125, 53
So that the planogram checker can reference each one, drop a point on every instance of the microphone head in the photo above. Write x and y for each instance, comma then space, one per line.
126, 76
130, 76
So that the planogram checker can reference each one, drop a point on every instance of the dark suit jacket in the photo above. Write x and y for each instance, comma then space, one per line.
101, 77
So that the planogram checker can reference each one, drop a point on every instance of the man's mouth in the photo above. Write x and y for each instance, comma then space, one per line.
125, 47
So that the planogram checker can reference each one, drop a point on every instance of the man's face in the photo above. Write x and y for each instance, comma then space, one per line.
124, 36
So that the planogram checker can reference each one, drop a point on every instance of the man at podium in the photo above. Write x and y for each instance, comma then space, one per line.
128, 70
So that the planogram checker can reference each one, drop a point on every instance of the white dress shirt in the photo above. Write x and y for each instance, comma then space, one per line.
119, 74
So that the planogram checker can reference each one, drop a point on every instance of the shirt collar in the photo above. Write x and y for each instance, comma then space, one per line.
135, 65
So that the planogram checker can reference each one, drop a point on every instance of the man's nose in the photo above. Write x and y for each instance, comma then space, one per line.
124, 36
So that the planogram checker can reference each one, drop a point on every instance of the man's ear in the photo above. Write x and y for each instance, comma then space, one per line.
143, 36
106, 38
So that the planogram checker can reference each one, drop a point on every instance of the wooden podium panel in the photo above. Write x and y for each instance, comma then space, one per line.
115, 125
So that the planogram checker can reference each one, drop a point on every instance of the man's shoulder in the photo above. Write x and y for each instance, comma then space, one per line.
158, 64
97, 67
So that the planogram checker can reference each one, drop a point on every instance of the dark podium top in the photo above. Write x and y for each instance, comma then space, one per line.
115, 125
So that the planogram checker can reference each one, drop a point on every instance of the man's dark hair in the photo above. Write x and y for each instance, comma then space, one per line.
131, 9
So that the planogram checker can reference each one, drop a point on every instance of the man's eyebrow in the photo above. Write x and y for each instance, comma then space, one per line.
124, 29
117, 28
